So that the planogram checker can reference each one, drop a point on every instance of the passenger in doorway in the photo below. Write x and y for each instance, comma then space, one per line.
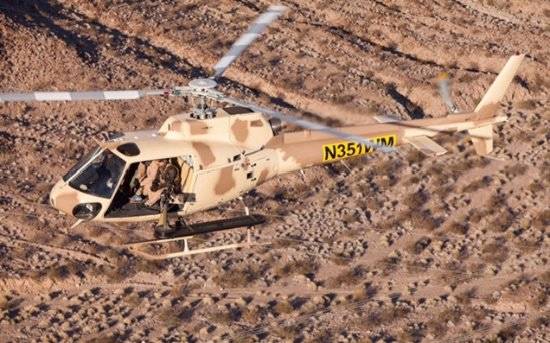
149, 186
151, 179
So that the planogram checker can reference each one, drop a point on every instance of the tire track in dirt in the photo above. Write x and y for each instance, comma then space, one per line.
494, 14
357, 305
367, 45
33, 287
71, 254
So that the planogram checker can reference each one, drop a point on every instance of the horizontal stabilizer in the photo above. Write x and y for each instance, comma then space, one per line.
426, 145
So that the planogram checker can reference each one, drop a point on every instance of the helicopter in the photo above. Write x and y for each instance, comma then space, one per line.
226, 147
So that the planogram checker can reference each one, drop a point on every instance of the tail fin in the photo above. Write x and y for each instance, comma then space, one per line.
489, 104
482, 136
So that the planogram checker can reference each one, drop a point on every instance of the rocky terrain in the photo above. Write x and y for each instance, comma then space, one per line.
395, 247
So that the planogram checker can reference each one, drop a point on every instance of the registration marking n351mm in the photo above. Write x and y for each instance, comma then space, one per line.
339, 150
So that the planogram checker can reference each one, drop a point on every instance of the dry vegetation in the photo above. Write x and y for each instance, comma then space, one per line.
399, 247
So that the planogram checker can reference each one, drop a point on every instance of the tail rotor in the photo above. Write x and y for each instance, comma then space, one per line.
444, 86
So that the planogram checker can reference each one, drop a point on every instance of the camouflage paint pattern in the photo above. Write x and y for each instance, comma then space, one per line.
232, 154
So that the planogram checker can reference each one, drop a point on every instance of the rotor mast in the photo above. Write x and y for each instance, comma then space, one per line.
201, 109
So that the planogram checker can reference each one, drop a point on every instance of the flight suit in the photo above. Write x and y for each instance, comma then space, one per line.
152, 174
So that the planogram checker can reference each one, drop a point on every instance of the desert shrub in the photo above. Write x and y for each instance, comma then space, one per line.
388, 167
477, 184
386, 316
286, 332
496, 201
536, 186
459, 228
413, 180
509, 332
349, 277
61, 272
283, 307
387, 225
527, 104
304, 267
495, 252
416, 200
528, 246
343, 99
183, 289
370, 203
365, 291
423, 220
441, 174
254, 314
467, 296
415, 156
169, 317
443, 191
475, 215
390, 264
514, 170
542, 220
414, 332
220, 316
502, 221
421, 244
239, 277
419, 265
540, 300
437, 328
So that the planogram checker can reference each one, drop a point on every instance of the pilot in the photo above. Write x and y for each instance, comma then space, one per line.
136, 183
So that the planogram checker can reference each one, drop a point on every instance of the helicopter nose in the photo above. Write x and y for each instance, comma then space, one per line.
63, 198
55, 192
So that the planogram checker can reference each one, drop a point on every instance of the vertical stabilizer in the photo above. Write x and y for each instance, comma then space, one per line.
482, 136
489, 104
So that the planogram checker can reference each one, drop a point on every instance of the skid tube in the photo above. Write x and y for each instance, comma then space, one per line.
186, 233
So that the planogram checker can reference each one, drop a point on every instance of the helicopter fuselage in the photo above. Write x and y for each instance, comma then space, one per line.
223, 157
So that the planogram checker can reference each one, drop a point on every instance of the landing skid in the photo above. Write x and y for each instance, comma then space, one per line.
186, 233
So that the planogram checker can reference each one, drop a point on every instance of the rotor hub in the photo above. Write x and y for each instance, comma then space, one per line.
203, 84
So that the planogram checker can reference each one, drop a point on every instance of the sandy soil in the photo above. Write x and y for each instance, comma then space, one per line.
385, 248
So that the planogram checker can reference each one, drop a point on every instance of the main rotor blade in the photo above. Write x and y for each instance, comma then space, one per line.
306, 124
244, 41
445, 92
80, 96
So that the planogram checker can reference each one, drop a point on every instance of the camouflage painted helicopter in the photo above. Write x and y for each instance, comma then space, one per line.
214, 154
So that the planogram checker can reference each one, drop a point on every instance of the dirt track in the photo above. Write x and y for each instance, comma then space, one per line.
397, 246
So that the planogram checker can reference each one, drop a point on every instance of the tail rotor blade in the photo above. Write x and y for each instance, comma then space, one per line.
244, 41
445, 92
306, 124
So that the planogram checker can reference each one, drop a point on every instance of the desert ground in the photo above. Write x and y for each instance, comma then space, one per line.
387, 247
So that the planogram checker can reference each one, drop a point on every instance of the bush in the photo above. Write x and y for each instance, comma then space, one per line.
239, 277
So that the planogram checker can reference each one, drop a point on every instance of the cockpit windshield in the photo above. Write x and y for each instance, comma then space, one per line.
101, 175
81, 162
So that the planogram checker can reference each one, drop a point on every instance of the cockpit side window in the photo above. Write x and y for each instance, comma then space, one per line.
101, 176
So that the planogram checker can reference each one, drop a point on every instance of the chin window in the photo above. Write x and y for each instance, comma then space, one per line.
86, 211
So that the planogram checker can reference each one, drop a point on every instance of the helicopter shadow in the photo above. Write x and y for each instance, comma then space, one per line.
414, 111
